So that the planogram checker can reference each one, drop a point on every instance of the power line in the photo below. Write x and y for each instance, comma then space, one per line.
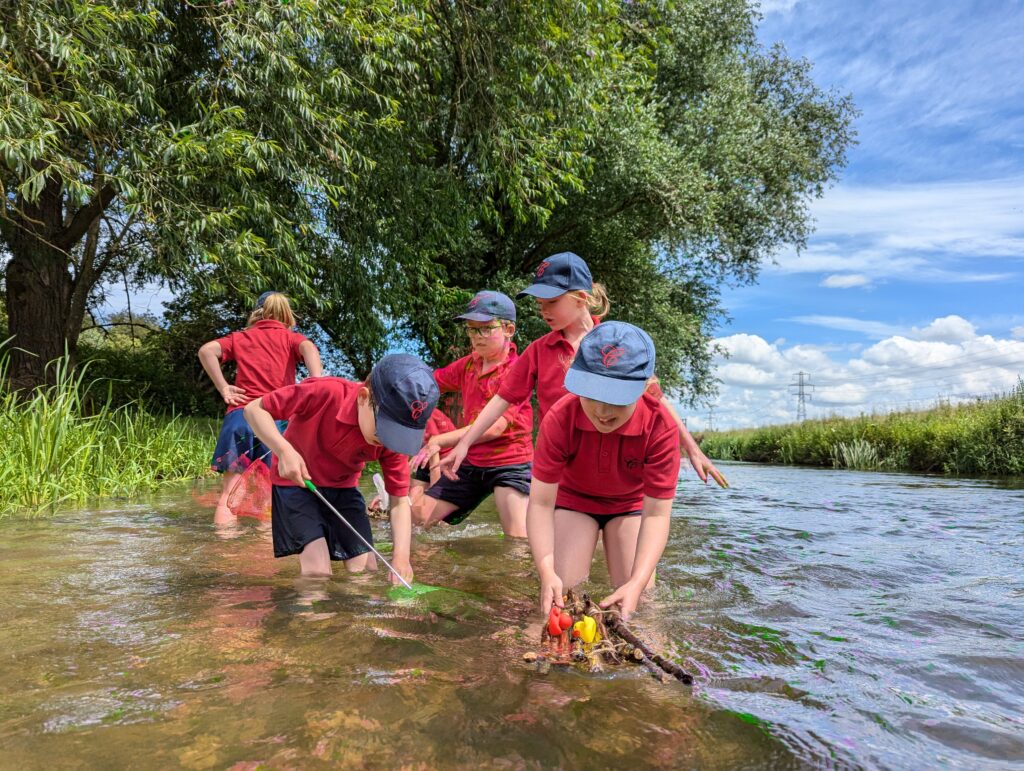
803, 392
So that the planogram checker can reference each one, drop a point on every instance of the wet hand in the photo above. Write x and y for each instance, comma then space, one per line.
705, 467
233, 396
404, 568
290, 465
627, 597
550, 592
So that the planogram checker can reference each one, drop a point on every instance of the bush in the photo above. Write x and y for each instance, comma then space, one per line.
982, 438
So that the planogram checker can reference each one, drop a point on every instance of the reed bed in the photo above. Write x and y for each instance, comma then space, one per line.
64, 444
976, 439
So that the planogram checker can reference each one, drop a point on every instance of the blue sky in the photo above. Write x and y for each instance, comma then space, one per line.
911, 286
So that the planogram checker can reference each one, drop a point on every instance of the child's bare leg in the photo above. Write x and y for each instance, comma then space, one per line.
223, 515
620, 537
434, 514
363, 563
315, 559
575, 541
422, 504
511, 505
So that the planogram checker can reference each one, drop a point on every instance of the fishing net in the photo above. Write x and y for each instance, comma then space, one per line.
250, 495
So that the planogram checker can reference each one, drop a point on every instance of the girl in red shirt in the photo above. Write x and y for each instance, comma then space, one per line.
266, 353
606, 465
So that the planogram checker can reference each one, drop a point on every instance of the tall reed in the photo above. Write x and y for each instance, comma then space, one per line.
979, 439
64, 444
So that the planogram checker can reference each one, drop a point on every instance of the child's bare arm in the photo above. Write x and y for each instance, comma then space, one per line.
540, 529
311, 358
488, 415
401, 536
650, 545
450, 439
209, 357
290, 464
700, 462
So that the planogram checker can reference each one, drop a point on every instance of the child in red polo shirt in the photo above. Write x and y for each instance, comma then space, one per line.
334, 427
500, 462
571, 304
266, 352
607, 464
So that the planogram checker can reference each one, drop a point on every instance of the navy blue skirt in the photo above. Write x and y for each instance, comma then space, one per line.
237, 446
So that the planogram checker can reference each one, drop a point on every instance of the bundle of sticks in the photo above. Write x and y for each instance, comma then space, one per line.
583, 634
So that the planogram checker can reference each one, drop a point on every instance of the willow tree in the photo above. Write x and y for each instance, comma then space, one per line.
658, 139
198, 142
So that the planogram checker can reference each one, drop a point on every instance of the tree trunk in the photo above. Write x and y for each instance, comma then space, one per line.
39, 288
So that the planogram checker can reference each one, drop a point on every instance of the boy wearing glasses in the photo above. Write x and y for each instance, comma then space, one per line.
500, 461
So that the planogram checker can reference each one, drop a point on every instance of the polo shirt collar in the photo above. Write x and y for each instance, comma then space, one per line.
478, 362
557, 338
632, 427
268, 323
349, 411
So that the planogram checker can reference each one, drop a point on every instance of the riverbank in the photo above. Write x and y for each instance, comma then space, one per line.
61, 447
977, 439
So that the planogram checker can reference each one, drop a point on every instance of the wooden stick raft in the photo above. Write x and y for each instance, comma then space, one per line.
583, 634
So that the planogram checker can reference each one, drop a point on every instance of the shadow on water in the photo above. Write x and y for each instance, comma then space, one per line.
832, 618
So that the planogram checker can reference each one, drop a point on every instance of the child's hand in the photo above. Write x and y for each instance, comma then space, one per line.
550, 592
450, 465
704, 467
404, 568
233, 395
290, 465
422, 458
627, 597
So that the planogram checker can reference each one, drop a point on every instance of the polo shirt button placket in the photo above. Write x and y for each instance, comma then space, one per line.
604, 463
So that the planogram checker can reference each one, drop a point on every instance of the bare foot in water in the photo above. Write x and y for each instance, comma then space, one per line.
222, 516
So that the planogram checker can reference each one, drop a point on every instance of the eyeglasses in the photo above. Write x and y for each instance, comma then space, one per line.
487, 331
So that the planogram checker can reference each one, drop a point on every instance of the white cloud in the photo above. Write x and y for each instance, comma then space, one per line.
931, 232
948, 329
845, 281
946, 358
874, 329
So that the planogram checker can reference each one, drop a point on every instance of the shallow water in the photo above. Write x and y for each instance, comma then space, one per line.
833, 618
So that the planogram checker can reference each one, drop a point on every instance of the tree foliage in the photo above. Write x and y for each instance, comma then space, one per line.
382, 161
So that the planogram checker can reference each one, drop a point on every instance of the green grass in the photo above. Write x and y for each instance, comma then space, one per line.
62, 446
977, 439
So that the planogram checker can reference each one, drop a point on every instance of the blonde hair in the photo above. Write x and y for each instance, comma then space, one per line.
277, 308
597, 300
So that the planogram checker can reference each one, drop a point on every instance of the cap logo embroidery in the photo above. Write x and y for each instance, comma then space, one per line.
542, 267
416, 409
632, 464
610, 354
474, 302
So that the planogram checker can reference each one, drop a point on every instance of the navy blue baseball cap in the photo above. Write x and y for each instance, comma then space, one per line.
487, 306
613, 364
558, 274
405, 394
263, 298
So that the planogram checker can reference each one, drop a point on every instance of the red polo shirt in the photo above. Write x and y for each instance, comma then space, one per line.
266, 354
324, 428
515, 445
608, 473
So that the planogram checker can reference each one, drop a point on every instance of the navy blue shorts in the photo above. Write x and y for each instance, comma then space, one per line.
422, 475
604, 519
237, 446
477, 482
298, 517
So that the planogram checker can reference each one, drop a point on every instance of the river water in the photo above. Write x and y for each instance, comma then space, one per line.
834, 619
